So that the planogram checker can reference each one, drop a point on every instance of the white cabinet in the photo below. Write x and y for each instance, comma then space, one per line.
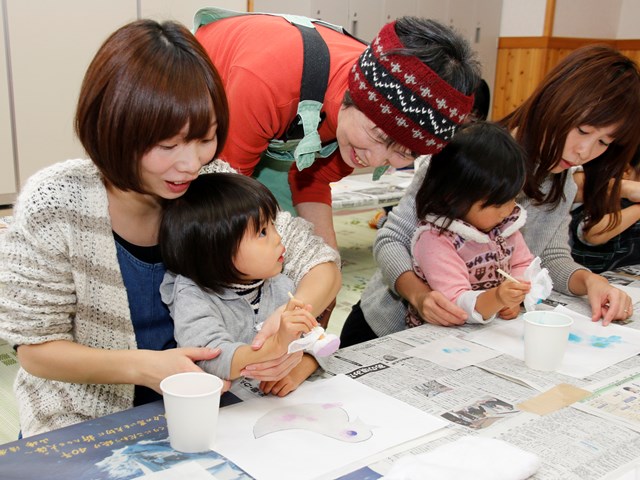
184, 10
461, 16
434, 9
398, 8
479, 22
50, 45
362, 18
365, 18
7, 163
332, 11
295, 7
486, 38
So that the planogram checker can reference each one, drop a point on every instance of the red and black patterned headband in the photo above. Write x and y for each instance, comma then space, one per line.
404, 97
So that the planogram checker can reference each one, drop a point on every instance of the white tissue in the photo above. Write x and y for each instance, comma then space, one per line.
541, 284
318, 342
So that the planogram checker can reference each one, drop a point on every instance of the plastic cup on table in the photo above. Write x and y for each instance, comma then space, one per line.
546, 335
191, 402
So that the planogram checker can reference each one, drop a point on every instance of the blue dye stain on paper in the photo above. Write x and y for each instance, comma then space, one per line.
596, 341
456, 350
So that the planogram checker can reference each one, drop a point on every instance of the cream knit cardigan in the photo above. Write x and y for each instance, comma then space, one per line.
60, 280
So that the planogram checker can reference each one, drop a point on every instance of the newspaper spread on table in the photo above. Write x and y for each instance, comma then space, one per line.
361, 191
591, 439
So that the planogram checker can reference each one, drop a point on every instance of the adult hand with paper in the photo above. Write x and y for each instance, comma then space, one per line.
607, 302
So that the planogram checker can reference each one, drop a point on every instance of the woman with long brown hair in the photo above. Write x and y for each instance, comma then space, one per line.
584, 112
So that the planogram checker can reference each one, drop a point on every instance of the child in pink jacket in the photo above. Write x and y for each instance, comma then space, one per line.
469, 224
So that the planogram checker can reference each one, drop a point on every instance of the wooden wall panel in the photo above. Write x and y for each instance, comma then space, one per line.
522, 63
518, 71
633, 55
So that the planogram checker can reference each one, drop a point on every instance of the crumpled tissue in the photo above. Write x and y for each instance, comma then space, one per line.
541, 284
318, 342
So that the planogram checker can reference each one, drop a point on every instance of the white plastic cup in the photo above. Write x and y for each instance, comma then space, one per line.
191, 403
546, 335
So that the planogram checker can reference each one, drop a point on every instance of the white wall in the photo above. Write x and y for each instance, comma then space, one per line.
587, 18
522, 18
48, 64
183, 10
573, 18
629, 25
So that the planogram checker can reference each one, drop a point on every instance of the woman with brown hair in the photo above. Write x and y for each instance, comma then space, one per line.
584, 112
80, 266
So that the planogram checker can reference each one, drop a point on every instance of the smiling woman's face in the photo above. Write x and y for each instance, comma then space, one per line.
169, 167
362, 144
583, 144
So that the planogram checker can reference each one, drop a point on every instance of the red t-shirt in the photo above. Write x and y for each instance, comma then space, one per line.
259, 58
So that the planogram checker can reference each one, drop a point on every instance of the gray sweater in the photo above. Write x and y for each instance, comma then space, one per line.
60, 280
546, 234
224, 320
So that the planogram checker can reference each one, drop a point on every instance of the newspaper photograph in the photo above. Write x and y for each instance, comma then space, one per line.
617, 400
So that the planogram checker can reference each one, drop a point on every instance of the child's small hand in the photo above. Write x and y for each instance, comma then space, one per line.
294, 304
294, 323
271, 325
509, 313
512, 294
292, 380
281, 387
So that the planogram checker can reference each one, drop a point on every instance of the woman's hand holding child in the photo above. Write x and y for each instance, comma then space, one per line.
176, 360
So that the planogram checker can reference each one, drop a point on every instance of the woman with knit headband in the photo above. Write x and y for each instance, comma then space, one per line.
584, 112
401, 97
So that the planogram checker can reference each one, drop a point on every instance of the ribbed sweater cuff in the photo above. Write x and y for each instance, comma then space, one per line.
392, 265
